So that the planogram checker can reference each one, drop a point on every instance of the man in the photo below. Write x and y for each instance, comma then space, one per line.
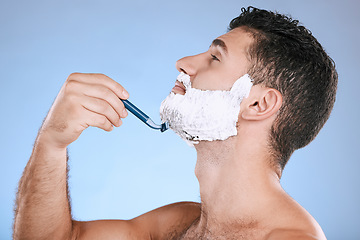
293, 92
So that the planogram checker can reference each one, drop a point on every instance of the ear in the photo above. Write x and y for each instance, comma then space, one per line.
262, 103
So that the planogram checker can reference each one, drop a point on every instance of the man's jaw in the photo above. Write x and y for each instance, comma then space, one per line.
179, 88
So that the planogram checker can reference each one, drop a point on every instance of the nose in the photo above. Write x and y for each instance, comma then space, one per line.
188, 65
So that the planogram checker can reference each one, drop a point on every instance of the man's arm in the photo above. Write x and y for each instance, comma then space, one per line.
42, 206
167, 222
44, 211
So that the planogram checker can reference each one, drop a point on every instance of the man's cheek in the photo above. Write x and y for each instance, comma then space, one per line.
205, 115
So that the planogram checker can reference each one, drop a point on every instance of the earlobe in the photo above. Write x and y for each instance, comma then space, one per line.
265, 103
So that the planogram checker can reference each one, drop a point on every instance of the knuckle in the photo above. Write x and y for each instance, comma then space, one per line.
73, 75
112, 115
101, 120
104, 92
103, 107
99, 75
70, 85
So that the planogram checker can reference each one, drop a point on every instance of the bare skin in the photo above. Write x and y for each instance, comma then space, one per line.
241, 196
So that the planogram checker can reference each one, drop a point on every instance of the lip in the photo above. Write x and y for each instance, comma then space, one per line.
179, 88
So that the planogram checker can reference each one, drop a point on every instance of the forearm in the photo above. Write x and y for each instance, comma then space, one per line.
42, 205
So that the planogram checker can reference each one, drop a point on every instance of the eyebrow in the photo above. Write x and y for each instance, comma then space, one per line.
219, 43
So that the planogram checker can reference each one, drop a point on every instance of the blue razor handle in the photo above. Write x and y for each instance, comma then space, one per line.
143, 117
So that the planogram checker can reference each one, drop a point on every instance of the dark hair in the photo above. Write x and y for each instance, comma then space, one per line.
285, 56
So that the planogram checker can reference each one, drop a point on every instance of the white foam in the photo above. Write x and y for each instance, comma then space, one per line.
204, 115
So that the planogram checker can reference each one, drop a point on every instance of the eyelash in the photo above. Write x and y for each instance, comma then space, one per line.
213, 57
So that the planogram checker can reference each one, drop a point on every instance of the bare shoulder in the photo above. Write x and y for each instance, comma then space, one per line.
285, 234
166, 222
294, 222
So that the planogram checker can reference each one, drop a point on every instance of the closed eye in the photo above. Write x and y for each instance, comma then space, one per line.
213, 57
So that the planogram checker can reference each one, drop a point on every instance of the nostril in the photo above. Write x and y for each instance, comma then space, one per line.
183, 70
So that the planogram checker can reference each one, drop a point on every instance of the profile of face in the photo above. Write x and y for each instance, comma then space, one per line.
219, 67
205, 102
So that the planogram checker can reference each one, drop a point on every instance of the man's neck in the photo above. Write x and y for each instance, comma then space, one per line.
237, 182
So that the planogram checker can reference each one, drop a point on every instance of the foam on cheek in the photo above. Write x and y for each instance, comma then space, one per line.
204, 115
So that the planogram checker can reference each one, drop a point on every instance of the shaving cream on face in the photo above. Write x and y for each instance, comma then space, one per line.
204, 114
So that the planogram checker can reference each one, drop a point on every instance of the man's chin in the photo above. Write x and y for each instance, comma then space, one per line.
178, 90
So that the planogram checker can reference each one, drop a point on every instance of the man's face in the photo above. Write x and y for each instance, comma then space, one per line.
198, 115
220, 66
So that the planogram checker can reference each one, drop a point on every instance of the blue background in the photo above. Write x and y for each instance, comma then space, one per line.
135, 169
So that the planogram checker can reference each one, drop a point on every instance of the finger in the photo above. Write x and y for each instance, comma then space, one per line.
97, 120
97, 91
101, 107
97, 78
102, 92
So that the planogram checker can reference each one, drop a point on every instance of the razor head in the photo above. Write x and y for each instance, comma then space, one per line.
164, 126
